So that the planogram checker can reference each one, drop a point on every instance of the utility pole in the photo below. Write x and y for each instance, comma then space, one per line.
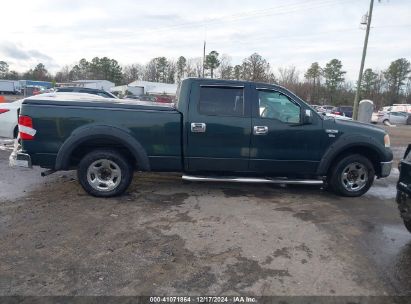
204, 56
364, 53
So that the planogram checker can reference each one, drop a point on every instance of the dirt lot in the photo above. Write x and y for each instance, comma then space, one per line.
169, 237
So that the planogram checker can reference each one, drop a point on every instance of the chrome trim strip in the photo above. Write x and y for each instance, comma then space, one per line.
251, 180
220, 86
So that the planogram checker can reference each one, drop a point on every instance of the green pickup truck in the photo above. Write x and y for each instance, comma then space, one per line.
218, 130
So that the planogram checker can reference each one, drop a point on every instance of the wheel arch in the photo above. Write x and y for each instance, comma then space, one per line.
83, 139
364, 146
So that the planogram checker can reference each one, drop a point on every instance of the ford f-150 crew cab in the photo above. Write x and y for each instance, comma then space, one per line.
218, 130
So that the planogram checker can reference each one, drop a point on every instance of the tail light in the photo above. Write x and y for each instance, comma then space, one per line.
337, 113
4, 111
26, 128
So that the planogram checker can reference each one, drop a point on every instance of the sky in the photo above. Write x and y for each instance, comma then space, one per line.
286, 33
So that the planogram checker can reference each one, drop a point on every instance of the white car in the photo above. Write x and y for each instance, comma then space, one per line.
9, 112
393, 118
337, 116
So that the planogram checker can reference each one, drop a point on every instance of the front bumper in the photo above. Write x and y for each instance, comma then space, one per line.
18, 158
386, 168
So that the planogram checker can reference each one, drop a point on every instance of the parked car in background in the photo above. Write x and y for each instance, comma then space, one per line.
343, 111
336, 116
404, 189
327, 108
163, 99
398, 107
318, 108
98, 92
374, 117
9, 112
393, 118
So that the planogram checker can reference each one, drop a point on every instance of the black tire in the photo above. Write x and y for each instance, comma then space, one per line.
386, 122
407, 225
16, 132
339, 185
117, 163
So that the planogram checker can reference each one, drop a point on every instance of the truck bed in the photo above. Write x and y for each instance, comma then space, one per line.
156, 126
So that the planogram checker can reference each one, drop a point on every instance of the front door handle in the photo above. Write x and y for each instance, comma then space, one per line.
198, 127
260, 130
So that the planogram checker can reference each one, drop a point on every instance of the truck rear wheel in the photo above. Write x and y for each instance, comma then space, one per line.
352, 176
105, 173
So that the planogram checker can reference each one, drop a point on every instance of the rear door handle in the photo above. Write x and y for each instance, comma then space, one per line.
260, 130
198, 127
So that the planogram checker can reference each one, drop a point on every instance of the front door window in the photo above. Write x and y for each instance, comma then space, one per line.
275, 105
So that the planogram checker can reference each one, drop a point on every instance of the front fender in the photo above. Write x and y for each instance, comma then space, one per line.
349, 141
90, 132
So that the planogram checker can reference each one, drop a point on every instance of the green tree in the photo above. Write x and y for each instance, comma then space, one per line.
313, 75
13, 75
256, 68
396, 76
110, 70
162, 69
369, 80
80, 70
334, 77
237, 72
159, 69
40, 73
98, 68
212, 62
4, 69
132, 73
181, 68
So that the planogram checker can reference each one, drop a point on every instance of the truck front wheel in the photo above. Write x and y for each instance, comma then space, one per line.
104, 173
352, 175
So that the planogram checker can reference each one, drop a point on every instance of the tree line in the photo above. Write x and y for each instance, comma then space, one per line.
318, 84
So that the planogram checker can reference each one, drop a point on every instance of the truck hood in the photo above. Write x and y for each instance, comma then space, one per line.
352, 125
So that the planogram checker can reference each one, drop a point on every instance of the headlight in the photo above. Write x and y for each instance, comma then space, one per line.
387, 142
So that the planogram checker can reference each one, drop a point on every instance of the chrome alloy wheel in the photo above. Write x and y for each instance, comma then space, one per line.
354, 177
104, 175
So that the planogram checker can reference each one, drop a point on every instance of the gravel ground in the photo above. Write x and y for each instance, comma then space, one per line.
167, 237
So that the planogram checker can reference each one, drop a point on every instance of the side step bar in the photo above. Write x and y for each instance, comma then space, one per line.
193, 178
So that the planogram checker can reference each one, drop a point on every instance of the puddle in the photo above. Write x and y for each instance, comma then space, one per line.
385, 188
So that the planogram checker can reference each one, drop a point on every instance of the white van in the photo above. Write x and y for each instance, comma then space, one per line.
398, 107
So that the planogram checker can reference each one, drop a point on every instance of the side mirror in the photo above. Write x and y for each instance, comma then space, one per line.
307, 117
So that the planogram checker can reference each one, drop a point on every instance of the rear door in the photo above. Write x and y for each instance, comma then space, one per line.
219, 128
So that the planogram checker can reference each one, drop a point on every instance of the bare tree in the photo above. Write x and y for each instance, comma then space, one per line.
256, 68
225, 70
132, 73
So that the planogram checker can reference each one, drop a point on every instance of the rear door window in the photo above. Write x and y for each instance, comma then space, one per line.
221, 101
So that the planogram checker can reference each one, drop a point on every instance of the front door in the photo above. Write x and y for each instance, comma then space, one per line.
281, 145
218, 129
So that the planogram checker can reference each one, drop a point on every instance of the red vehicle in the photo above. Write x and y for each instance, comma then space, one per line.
163, 99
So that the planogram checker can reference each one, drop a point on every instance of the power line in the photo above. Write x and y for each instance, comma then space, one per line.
271, 11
